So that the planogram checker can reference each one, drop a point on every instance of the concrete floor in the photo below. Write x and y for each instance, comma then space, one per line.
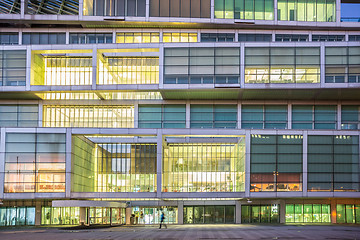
243, 231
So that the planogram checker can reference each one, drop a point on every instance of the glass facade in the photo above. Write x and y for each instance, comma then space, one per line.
17, 216
314, 117
19, 115
254, 37
342, 64
180, 8
264, 116
308, 213
133, 8
102, 215
282, 65
204, 167
209, 214
34, 162
347, 213
60, 216
113, 167
58, 71
138, 37
217, 37
245, 9
201, 65
9, 38
162, 116
43, 38
333, 163
175, 37
213, 116
152, 215
128, 70
12, 67
276, 163
101, 116
349, 117
260, 213
310, 11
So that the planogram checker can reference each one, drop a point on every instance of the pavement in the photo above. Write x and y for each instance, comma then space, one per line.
174, 232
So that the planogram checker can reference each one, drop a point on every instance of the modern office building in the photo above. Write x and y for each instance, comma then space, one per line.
214, 111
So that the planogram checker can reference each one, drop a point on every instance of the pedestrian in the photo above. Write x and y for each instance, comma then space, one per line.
162, 220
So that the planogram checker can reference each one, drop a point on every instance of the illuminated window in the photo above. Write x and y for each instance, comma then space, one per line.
140, 37
311, 11
129, 70
282, 65
347, 213
179, 37
113, 167
67, 96
204, 167
63, 71
99, 95
88, 116
316, 213
60, 215
260, 213
249, 9
276, 163
17, 216
209, 214
34, 162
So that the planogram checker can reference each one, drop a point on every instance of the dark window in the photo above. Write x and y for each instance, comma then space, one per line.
9, 38
328, 38
43, 38
291, 38
134, 8
90, 38
217, 37
254, 37
180, 8
354, 38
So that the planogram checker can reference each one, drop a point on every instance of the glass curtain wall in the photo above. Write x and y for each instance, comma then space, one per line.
59, 71
209, 214
276, 163
162, 116
245, 9
350, 117
9, 38
180, 8
347, 213
101, 116
152, 215
12, 67
282, 65
204, 167
179, 37
342, 64
314, 117
19, 115
264, 116
128, 70
213, 116
333, 163
201, 65
60, 216
102, 215
310, 11
17, 216
34, 162
260, 213
308, 213
131, 8
90, 38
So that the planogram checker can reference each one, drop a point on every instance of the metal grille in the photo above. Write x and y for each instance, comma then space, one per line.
59, 7
10, 6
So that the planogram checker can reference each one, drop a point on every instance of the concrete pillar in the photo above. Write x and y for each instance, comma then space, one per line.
110, 216
83, 215
127, 215
282, 211
237, 212
38, 214
333, 210
180, 212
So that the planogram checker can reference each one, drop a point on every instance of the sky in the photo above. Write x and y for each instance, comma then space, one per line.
350, 10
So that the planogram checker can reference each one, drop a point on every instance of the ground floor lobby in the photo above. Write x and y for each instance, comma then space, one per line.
148, 212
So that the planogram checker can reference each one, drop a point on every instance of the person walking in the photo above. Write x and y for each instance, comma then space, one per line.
162, 220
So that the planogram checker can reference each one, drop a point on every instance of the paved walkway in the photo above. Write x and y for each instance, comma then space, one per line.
263, 232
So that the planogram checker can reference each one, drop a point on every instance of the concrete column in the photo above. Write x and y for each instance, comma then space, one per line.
110, 216
187, 115
38, 214
180, 212
242, 65
136, 115
237, 212
339, 116
322, 64
2, 162
289, 115
127, 215
333, 210
94, 68
239, 115
83, 215
161, 63
282, 211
